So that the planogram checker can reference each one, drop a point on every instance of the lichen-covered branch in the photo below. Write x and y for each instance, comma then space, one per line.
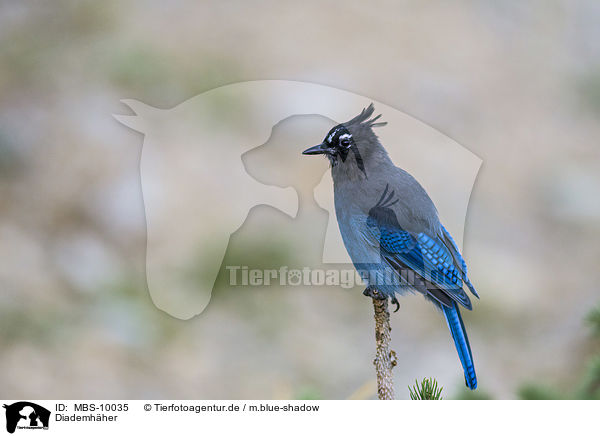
385, 359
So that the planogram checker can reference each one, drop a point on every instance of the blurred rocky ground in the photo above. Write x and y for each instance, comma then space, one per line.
517, 83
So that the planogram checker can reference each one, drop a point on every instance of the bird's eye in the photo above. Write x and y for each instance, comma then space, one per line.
345, 142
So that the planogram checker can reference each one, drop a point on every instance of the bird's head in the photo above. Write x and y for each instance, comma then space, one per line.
353, 143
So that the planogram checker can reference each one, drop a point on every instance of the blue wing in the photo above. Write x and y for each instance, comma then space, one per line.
427, 256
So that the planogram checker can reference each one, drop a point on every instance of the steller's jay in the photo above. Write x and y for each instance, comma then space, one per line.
391, 229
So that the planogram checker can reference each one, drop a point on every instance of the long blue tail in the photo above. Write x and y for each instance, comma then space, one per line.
461, 341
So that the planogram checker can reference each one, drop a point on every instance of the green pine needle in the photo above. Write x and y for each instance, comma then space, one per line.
427, 390
593, 319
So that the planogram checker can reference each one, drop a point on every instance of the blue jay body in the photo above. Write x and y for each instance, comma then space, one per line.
391, 229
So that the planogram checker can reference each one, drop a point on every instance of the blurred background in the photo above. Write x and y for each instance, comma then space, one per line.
517, 84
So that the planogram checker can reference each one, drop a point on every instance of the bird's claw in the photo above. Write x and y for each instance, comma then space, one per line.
394, 300
377, 295
373, 293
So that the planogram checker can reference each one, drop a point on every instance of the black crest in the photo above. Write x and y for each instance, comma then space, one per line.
364, 118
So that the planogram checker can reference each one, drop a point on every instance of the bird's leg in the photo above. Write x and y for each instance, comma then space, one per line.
370, 291
394, 300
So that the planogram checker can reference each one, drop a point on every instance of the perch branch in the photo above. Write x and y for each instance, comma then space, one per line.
385, 359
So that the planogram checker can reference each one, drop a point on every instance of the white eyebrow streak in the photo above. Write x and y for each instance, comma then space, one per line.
335, 132
330, 137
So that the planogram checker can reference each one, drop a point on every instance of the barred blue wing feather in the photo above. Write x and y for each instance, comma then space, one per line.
458, 259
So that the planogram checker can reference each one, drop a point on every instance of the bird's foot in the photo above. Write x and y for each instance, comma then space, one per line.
373, 293
394, 300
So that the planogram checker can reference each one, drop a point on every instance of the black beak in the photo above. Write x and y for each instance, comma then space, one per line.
317, 149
